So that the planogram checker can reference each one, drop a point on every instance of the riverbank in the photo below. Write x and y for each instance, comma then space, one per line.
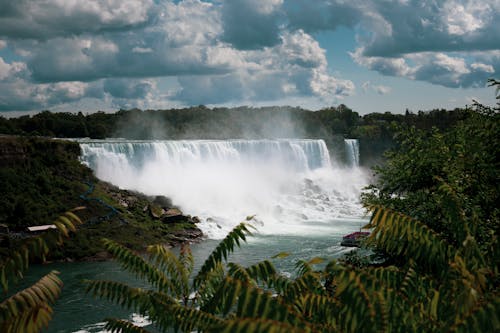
40, 178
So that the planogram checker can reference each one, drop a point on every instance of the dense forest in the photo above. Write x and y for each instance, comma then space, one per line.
375, 131
223, 123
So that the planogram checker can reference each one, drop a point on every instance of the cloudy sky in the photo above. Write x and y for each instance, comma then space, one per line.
374, 56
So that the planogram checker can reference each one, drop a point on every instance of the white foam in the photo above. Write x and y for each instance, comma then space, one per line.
289, 185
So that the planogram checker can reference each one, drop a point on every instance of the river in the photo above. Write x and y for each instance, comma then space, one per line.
303, 202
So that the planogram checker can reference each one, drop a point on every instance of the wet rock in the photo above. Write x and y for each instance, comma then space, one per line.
188, 235
156, 211
173, 215
162, 201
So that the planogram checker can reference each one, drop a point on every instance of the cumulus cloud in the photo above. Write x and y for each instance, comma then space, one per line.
297, 66
379, 89
312, 16
251, 24
56, 18
435, 26
435, 41
435, 67
18, 94
382, 90
215, 58
233, 50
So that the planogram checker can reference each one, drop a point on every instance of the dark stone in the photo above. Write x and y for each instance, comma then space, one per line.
156, 211
162, 201
174, 215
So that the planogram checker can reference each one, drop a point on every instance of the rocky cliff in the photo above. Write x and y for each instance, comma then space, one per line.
40, 178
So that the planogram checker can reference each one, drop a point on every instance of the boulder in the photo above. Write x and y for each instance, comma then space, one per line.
173, 215
156, 211
162, 201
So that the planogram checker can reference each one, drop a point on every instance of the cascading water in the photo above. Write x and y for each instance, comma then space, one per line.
305, 205
289, 185
352, 151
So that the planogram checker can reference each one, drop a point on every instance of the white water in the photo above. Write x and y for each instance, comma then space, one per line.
290, 185
352, 151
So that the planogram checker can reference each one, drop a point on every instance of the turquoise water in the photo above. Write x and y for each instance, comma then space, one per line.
303, 203
77, 312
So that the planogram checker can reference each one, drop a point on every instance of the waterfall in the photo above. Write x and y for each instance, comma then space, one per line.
352, 151
299, 155
286, 183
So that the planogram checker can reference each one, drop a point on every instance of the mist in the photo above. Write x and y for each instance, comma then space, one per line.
291, 186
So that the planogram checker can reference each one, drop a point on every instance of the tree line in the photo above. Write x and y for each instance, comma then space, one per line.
200, 122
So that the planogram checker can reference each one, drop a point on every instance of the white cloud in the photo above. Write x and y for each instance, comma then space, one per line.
379, 89
296, 67
386, 66
482, 67
137, 49
434, 67
382, 90
57, 18
461, 19
235, 50
4, 69
251, 24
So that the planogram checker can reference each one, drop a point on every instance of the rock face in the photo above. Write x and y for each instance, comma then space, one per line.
157, 207
188, 235
43, 176
173, 215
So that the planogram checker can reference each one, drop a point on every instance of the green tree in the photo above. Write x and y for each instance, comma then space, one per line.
433, 209
462, 159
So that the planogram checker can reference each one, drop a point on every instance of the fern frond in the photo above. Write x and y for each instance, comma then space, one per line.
15, 263
361, 304
401, 235
32, 320
123, 326
256, 325
319, 309
205, 292
140, 267
18, 310
239, 272
186, 258
167, 261
183, 318
122, 294
305, 266
263, 271
483, 318
225, 247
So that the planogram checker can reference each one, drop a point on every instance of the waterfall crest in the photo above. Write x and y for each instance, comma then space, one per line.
290, 185
300, 155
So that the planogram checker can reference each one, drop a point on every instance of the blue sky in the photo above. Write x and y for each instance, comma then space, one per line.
373, 56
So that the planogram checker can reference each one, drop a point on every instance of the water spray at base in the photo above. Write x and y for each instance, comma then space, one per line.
289, 185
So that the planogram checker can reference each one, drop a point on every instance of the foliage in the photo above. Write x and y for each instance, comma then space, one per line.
442, 288
441, 176
30, 309
440, 224
40, 177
